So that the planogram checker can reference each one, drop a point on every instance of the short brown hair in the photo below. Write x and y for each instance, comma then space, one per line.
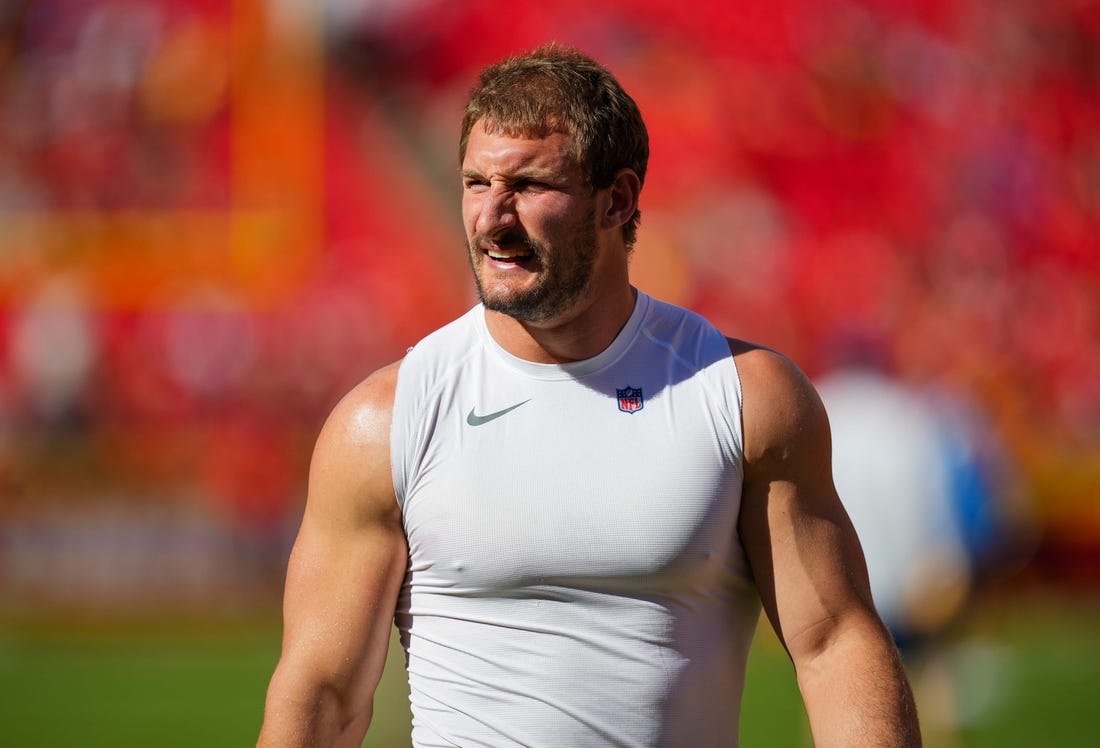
558, 89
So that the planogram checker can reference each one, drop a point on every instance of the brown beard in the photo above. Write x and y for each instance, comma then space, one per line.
560, 284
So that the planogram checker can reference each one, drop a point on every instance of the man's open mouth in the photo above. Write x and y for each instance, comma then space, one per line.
502, 254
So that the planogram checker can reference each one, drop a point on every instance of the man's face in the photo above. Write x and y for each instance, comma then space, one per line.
530, 224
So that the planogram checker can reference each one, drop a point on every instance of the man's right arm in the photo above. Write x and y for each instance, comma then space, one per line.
343, 579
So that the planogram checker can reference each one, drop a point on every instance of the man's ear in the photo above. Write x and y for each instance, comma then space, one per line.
623, 202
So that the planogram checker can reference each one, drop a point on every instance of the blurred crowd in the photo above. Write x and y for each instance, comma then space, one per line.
216, 216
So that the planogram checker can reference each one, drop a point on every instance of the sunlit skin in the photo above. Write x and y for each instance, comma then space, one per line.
546, 249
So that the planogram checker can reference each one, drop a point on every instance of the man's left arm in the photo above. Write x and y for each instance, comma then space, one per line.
809, 566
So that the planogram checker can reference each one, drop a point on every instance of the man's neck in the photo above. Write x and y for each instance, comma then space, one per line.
581, 335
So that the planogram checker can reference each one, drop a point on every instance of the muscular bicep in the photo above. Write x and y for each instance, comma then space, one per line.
805, 555
344, 574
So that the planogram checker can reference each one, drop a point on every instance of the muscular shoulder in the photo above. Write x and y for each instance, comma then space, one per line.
363, 414
350, 466
782, 412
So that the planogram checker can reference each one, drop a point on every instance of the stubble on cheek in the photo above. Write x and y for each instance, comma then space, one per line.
561, 278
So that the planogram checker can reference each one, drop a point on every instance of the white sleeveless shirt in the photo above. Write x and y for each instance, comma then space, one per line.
575, 574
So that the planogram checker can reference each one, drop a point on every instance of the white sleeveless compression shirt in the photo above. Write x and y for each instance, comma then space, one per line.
575, 574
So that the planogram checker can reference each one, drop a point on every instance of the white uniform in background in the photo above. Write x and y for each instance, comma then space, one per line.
576, 576
892, 468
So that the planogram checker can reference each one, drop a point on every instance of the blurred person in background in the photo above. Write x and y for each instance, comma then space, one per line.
575, 498
919, 476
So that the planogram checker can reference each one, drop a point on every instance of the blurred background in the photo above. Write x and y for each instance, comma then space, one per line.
216, 216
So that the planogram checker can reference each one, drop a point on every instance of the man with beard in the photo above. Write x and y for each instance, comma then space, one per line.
575, 498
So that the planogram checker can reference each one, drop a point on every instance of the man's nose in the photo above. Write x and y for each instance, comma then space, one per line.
497, 213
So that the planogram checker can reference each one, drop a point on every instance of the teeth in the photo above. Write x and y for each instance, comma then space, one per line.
507, 254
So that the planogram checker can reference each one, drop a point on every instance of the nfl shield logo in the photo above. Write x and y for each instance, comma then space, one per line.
630, 399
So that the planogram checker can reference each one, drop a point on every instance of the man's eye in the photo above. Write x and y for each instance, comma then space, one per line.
474, 184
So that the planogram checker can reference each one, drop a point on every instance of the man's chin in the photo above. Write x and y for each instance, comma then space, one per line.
524, 307
499, 294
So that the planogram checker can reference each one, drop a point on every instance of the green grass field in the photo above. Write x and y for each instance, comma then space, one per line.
1029, 676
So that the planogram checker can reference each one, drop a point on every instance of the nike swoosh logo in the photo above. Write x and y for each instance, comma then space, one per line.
476, 420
